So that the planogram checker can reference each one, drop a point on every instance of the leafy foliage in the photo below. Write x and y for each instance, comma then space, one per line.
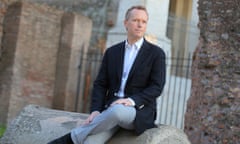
2, 130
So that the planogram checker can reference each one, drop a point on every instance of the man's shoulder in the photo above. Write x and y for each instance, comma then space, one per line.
119, 44
153, 47
150, 44
115, 47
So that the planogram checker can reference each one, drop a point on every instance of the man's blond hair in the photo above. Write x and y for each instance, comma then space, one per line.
138, 7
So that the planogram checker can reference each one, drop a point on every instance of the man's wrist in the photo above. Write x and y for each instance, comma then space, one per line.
97, 112
132, 101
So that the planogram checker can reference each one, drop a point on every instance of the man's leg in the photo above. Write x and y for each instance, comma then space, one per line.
116, 115
66, 139
102, 137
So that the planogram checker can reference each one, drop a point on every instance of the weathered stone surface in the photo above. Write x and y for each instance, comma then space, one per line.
38, 125
213, 110
162, 135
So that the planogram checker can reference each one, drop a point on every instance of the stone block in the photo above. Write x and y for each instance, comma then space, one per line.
39, 125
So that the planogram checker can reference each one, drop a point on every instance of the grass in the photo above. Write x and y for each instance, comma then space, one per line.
2, 130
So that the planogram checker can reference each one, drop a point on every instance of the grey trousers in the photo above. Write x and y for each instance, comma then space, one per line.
105, 125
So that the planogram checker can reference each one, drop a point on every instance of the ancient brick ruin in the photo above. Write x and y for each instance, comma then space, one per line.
41, 49
213, 108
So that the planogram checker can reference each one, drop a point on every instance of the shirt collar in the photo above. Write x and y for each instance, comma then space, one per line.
137, 44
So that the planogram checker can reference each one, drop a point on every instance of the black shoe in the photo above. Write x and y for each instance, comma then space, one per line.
66, 139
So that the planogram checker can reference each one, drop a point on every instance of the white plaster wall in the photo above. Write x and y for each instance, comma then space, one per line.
194, 32
158, 17
118, 32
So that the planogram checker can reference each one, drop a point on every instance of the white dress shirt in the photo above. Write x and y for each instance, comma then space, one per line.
130, 54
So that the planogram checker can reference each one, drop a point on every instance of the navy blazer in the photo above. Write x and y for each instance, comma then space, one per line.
144, 84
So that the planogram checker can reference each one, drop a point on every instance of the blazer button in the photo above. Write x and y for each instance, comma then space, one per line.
115, 94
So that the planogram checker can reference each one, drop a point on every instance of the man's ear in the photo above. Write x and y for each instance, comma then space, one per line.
125, 24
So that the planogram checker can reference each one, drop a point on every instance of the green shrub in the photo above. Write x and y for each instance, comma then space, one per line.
2, 130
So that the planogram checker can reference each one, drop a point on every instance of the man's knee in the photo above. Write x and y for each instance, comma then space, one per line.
122, 112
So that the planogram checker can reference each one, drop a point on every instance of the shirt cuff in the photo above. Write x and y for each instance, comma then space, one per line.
132, 101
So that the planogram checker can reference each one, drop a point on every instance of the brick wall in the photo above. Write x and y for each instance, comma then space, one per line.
37, 42
37, 47
7, 56
103, 14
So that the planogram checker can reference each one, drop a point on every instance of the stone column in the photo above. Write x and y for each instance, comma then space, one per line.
193, 29
81, 34
213, 108
36, 44
44, 46
8, 45
156, 33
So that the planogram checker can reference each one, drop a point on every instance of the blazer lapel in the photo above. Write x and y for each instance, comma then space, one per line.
142, 55
120, 60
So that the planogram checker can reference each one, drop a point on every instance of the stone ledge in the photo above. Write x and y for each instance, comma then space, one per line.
39, 125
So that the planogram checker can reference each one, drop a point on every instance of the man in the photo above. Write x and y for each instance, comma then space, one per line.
131, 77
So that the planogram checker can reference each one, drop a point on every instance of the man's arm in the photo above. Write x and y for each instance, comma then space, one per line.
91, 117
155, 84
100, 87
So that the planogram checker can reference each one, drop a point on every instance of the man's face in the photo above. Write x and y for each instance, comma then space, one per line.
136, 24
